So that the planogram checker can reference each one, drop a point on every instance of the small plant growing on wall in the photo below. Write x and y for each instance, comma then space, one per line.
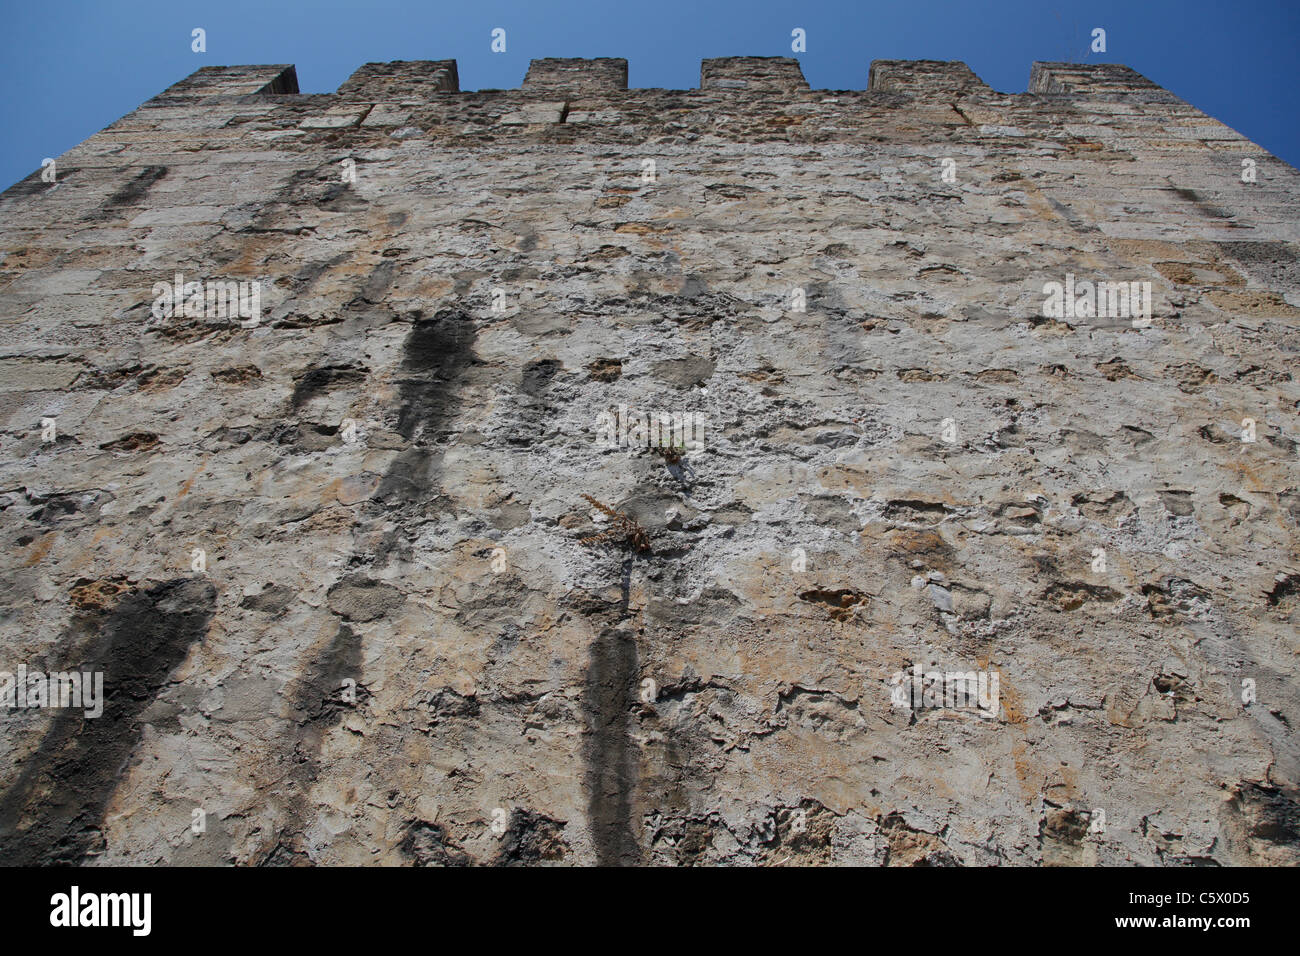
623, 530
672, 454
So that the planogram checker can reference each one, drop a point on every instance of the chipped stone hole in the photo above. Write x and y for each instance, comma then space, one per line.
1285, 593
917, 512
940, 683
58, 507
529, 838
912, 846
1174, 685
1073, 595
1062, 834
842, 604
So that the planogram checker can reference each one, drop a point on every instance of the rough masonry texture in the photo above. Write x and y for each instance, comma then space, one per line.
349, 600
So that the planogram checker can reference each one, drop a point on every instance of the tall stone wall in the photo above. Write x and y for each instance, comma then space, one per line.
381, 570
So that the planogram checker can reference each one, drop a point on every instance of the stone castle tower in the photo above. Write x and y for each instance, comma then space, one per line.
576, 474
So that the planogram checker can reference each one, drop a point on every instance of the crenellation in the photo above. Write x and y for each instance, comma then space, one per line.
753, 74
1095, 80
402, 81
211, 82
924, 78
576, 76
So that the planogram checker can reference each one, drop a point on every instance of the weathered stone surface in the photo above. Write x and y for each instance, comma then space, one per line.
402, 81
923, 77
600, 75
410, 637
754, 74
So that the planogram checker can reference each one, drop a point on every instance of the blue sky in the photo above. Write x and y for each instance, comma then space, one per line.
72, 68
